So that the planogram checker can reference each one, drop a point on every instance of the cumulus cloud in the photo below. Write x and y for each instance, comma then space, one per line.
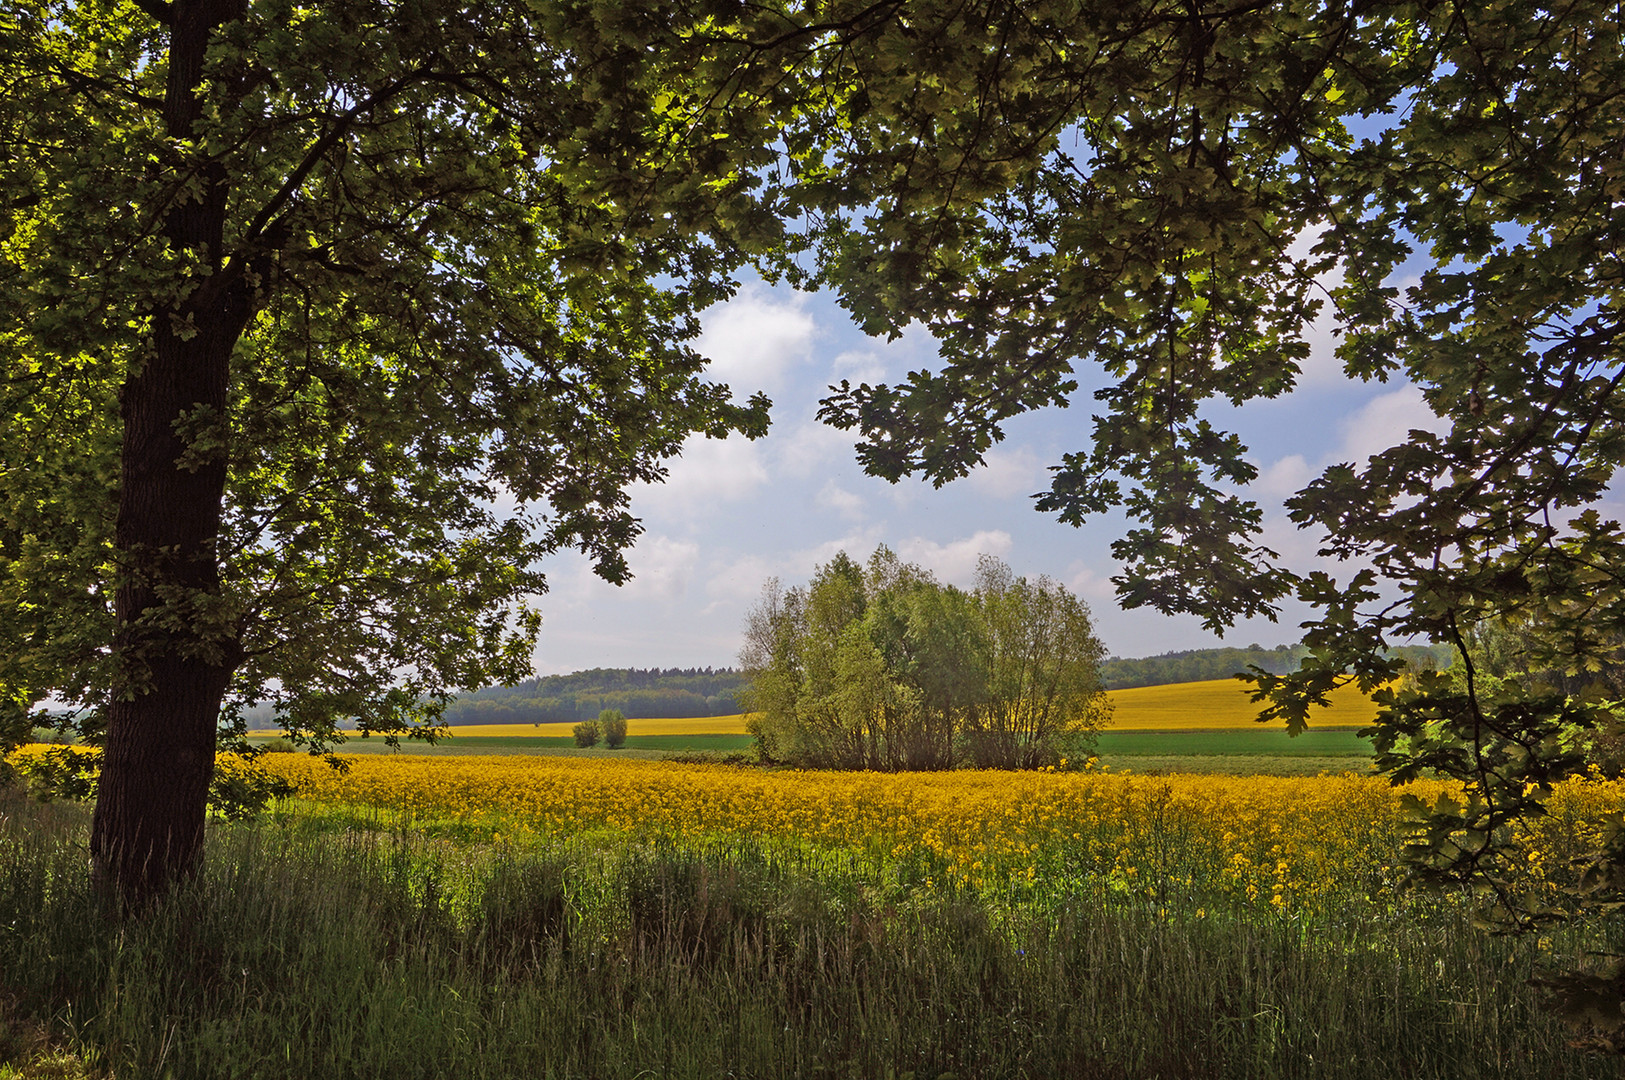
1322, 367
755, 338
740, 578
880, 360
737, 577
808, 449
860, 366
1008, 474
955, 561
833, 496
1285, 477
710, 471
1384, 421
1092, 585
661, 568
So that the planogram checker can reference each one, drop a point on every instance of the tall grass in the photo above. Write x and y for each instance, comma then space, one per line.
339, 947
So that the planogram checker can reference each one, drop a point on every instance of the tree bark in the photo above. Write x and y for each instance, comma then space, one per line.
173, 670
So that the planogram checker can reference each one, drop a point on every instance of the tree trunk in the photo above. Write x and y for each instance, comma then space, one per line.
173, 671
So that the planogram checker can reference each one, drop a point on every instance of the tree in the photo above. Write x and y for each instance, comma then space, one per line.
1045, 699
881, 667
1180, 240
587, 733
292, 300
612, 722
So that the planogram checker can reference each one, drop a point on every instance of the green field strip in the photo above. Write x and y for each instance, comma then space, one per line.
1328, 742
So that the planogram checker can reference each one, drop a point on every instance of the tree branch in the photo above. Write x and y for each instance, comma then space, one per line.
319, 149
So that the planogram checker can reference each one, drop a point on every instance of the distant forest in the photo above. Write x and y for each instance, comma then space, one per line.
640, 693
1200, 665
582, 695
1197, 665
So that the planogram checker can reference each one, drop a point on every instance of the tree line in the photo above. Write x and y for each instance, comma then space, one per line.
1200, 665
882, 667
573, 707
1196, 665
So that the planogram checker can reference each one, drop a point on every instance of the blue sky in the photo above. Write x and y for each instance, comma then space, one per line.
734, 513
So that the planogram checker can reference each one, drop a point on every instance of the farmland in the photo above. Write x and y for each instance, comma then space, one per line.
505, 905
526, 915
1186, 727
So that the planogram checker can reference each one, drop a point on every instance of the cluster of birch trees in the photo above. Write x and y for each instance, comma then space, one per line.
880, 666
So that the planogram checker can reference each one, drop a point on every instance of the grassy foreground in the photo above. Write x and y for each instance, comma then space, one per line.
337, 940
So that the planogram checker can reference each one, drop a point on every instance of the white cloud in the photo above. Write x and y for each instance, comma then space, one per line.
1092, 586
1322, 368
955, 561
833, 496
1286, 477
710, 471
661, 568
1007, 474
860, 366
755, 338
809, 448
882, 360
740, 577
1384, 421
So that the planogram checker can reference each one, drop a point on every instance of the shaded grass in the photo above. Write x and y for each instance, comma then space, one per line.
348, 946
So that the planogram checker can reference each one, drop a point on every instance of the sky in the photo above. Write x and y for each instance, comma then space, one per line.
733, 514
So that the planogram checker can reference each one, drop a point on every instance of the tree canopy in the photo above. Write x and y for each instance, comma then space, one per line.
319, 326
1442, 185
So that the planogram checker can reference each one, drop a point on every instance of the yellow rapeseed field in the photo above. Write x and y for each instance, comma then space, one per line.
1287, 842
1221, 704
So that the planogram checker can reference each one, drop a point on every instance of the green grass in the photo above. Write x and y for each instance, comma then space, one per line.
318, 947
1262, 749
1236, 764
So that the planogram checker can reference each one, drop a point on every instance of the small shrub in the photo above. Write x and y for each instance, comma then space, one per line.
739, 759
240, 789
62, 773
54, 736
587, 733
612, 722
277, 746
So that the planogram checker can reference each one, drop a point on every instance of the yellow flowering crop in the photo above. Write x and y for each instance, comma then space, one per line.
1286, 842
1222, 704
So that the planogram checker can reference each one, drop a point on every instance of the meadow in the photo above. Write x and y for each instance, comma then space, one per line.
578, 917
